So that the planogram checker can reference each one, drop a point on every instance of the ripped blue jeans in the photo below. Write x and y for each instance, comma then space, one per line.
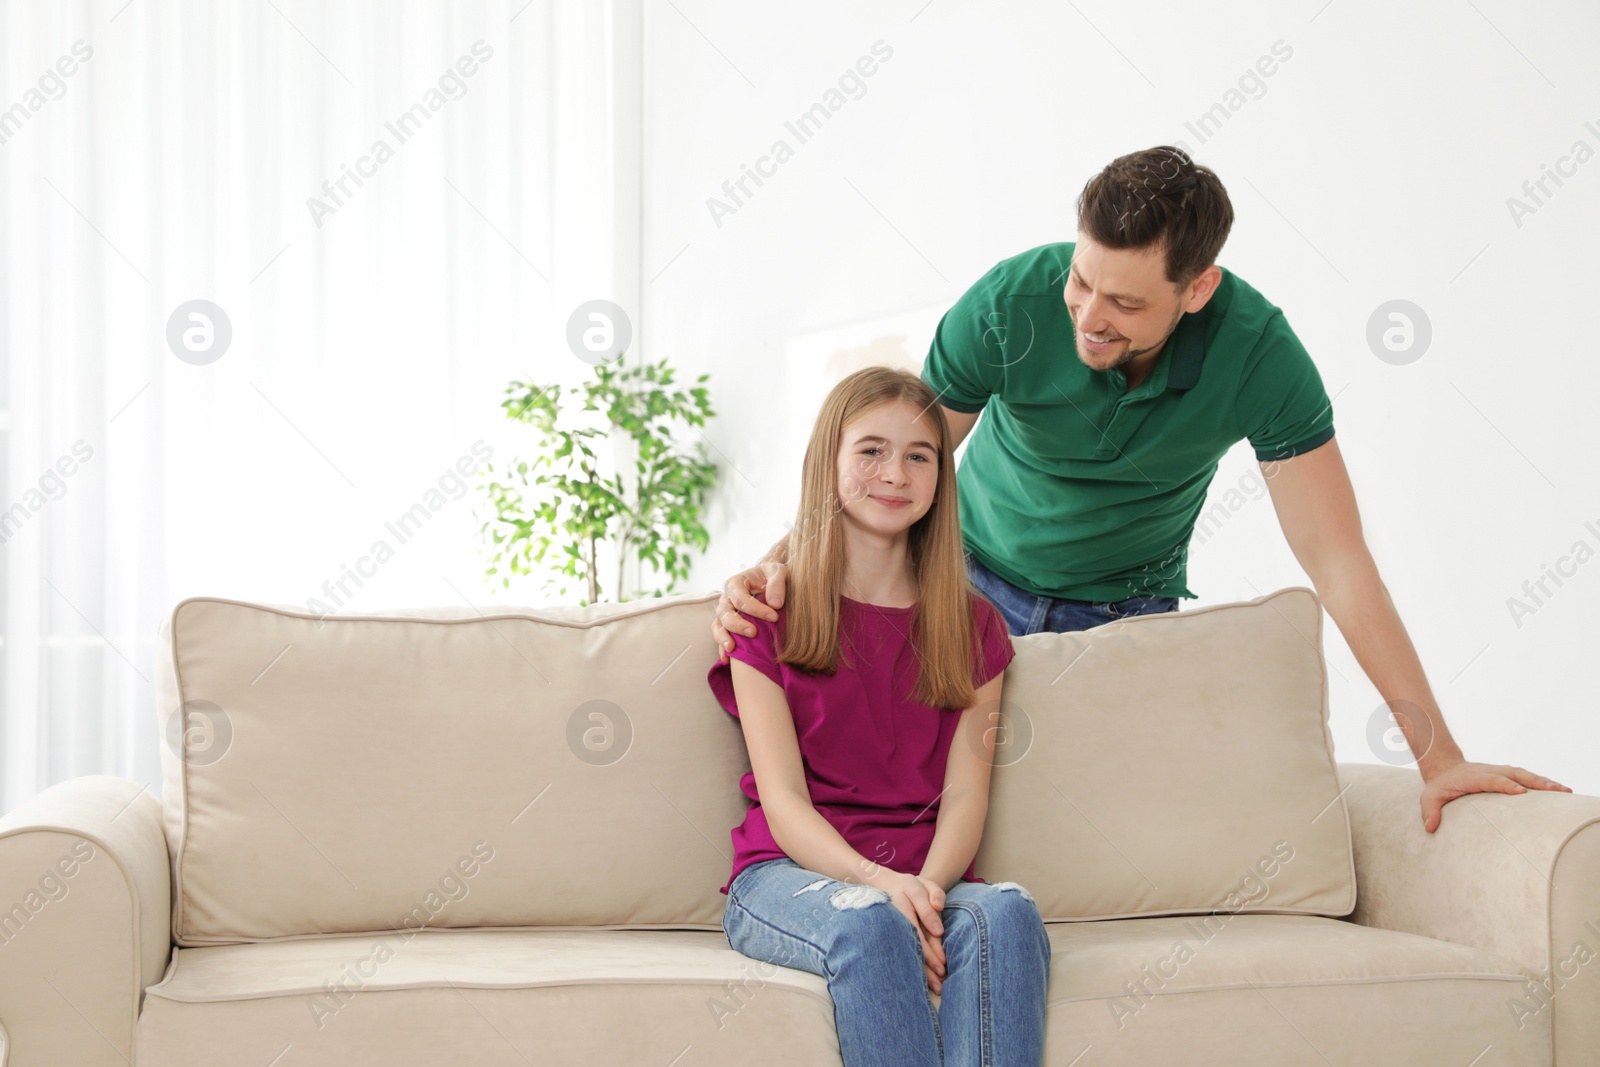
997, 965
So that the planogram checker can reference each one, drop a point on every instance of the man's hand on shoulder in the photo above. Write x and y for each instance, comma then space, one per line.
1462, 778
739, 595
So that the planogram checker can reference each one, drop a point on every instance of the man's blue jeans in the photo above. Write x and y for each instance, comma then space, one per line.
1028, 613
997, 965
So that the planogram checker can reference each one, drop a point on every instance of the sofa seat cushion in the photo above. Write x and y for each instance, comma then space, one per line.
1278, 990
486, 998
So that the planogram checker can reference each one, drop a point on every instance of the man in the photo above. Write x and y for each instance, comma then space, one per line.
1079, 492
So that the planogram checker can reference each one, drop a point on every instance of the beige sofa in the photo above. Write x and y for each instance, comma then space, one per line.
441, 836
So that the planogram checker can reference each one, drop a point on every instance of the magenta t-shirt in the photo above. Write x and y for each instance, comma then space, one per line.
874, 757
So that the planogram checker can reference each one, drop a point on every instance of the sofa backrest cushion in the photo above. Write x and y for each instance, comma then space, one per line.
445, 767
1171, 764
569, 766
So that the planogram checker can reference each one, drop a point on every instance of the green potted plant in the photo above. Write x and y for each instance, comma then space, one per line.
554, 512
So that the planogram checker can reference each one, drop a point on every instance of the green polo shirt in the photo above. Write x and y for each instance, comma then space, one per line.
1071, 485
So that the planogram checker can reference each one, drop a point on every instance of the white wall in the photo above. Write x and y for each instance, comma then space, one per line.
1375, 163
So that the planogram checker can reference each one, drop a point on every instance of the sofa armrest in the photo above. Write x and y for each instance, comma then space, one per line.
1517, 875
86, 923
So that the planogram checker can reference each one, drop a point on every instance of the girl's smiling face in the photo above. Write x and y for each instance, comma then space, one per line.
888, 467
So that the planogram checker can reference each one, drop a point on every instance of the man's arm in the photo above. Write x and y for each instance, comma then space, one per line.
1316, 507
960, 424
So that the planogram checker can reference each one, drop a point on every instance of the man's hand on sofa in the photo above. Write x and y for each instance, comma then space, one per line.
738, 595
1462, 778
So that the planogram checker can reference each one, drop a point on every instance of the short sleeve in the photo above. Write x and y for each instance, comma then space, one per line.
1282, 407
760, 651
995, 640
966, 360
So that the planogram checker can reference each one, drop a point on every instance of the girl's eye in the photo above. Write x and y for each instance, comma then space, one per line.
874, 448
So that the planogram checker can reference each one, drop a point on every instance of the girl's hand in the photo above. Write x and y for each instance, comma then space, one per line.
933, 948
933, 943
921, 900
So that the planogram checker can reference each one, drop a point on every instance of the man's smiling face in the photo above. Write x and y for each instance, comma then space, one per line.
1122, 296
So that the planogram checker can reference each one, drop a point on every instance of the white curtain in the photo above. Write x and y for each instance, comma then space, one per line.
371, 195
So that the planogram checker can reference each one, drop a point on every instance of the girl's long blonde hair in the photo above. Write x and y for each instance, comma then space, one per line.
941, 624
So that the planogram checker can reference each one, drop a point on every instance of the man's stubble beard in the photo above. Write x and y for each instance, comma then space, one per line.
1132, 354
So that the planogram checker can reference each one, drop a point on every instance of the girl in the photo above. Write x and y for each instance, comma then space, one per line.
866, 709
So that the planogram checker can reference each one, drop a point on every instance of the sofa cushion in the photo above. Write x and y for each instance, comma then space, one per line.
1280, 991
480, 997
445, 767
569, 766
1173, 763
1245, 991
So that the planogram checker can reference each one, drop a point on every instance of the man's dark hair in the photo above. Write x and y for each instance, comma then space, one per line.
1159, 196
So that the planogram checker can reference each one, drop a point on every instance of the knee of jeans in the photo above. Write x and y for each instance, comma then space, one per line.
846, 897
1014, 887
874, 929
1010, 901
